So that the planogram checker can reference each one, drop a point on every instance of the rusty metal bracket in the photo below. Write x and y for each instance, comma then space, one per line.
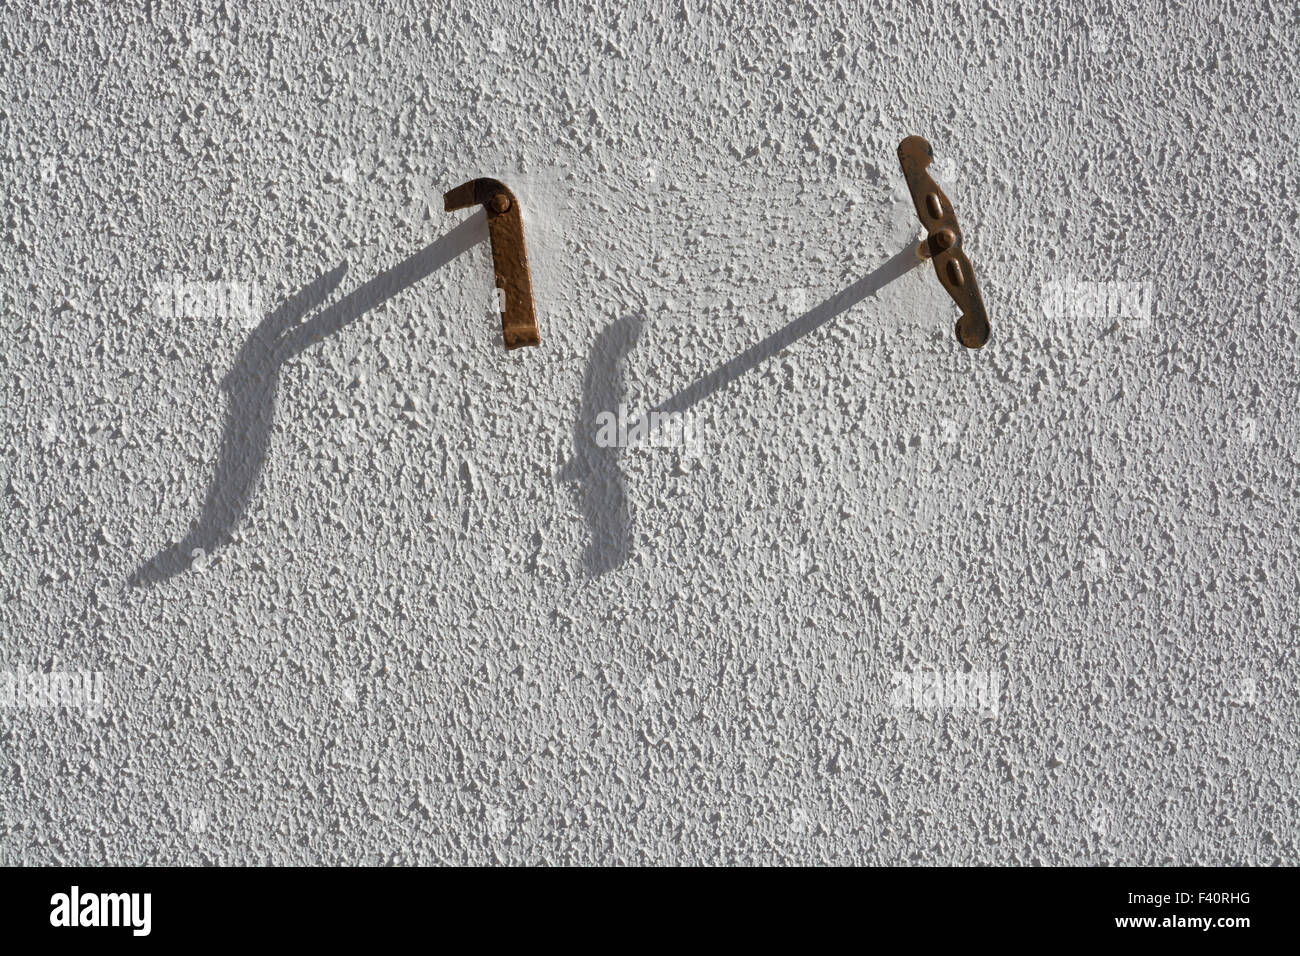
943, 242
509, 256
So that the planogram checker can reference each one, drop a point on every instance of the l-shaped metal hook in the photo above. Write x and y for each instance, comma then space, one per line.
509, 256
943, 242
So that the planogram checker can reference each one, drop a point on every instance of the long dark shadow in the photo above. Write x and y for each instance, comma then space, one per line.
251, 383
602, 495
899, 265
593, 468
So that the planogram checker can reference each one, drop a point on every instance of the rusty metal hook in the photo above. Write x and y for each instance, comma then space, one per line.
509, 255
943, 242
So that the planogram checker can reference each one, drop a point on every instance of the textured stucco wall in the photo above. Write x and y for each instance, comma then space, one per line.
362, 587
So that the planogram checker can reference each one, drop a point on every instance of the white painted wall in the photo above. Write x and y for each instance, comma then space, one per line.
451, 627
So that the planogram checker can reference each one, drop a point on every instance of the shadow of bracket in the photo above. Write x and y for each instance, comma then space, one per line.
253, 379
595, 469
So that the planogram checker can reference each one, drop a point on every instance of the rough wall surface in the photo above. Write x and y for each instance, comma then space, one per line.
361, 587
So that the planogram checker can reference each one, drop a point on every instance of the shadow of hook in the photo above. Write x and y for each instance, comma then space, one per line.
904, 261
595, 468
251, 383
603, 497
